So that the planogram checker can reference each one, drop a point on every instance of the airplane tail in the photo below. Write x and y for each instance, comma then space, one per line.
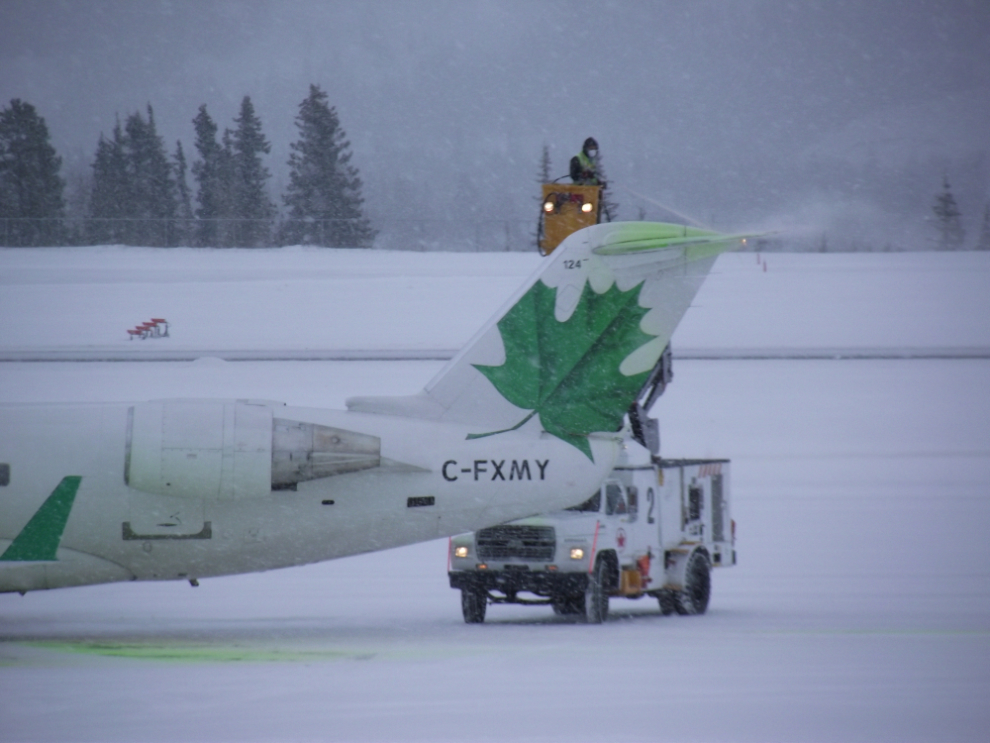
569, 352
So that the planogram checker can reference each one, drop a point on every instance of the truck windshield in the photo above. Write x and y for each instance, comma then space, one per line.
615, 503
592, 504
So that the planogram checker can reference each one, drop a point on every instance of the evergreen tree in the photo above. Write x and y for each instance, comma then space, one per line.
31, 190
610, 207
184, 230
207, 171
984, 242
133, 199
951, 234
324, 193
152, 205
108, 202
249, 200
226, 175
543, 175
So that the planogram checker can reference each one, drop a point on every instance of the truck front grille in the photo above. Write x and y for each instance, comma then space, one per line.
508, 541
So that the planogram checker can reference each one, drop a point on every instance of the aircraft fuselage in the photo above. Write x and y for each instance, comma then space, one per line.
222, 500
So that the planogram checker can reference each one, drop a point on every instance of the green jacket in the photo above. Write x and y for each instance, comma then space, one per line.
583, 170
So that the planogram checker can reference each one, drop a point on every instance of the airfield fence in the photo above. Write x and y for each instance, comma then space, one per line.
477, 235
463, 235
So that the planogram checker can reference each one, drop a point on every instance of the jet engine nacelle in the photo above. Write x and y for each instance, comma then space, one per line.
234, 449
200, 448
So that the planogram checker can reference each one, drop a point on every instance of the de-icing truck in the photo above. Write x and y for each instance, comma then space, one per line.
656, 527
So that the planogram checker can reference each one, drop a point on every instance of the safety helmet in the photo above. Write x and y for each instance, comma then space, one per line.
590, 144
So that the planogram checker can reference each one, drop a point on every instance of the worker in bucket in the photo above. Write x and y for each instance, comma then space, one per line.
584, 165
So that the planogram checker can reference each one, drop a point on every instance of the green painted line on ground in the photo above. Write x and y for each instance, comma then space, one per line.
230, 651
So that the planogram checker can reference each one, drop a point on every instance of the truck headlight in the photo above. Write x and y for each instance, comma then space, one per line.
577, 553
460, 551
548, 206
586, 207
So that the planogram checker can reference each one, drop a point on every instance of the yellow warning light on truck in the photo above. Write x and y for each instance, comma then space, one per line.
567, 209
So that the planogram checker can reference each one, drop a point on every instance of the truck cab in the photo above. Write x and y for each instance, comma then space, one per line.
656, 527
565, 209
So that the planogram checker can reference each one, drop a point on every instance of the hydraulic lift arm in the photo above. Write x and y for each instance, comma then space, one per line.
646, 430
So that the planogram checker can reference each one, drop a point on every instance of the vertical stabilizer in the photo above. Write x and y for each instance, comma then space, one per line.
569, 352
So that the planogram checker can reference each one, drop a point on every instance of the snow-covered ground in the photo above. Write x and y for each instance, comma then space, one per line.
860, 608
295, 299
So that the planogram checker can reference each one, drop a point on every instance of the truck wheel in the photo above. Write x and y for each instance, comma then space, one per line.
473, 605
668, 604
564, 606
596, 595
693, 598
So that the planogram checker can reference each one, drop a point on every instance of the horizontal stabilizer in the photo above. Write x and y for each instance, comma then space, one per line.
646, 238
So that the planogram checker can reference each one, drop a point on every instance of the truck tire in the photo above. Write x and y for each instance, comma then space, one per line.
473, 605
596, 595
668, 603
565, 606
693, 598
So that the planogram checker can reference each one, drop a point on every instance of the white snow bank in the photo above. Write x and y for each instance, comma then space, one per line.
306, 298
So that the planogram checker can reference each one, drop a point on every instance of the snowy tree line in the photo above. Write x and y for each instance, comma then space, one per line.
142, 195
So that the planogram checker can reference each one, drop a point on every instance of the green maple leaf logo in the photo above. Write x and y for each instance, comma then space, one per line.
568, 372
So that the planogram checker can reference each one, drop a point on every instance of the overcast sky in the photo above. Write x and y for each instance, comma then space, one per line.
724, 109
